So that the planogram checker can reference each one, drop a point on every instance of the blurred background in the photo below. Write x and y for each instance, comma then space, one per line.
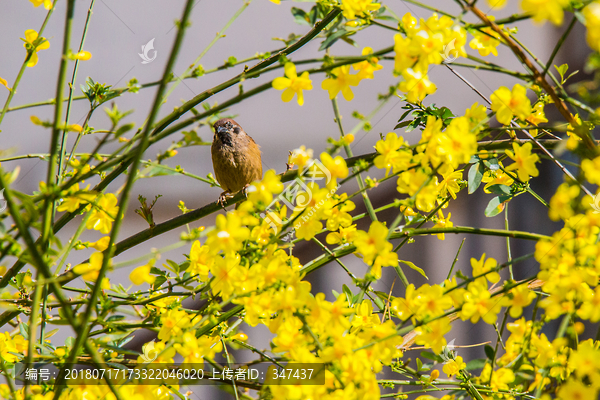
119, 29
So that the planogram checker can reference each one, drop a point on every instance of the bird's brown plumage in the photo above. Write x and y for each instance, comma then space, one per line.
235, 155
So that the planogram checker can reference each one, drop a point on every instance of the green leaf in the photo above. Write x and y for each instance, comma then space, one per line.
431, 356
402, 124
496, 206
48, 335
570, 75
562, 70
474, 177
159, 281
476, 364
70, 342
419, 365
413, 266
500, 189
405, 114
489, 352
124, 128
379, 303
348, 294
331, 39
24, 330
492, 164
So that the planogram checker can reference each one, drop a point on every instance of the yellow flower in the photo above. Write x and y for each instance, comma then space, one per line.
524, 161
194, 349
262, 192
72, 202
443, 223
142, 274
497, 177
339, 214
480, 267
173, 322
293, 84
34, 44
200, 261
352, 8
103, 213
416, 85
450, 182
275, 1
501, 378
4, 83
345, 235
101, 244
228, 235
337, 168
82, 56
89, 271
227, 275
431, 334
520, 297
453, 367
9, 345
545, 10
341, 82
497, 4
374, 247
389, 157
47, 3
508, 103
485, 42
591, 168
575, 389
368, 67
300, 157
457, 143
592, 22
364, 317
480, 304
537, 115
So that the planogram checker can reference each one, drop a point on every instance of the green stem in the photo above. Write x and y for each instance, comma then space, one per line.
24, 66
83, 334
218, 36
49, 204
508, 253
359, 179
455, 258
65, 134
559, 45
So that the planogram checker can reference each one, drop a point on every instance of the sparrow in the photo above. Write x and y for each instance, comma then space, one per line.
236, 158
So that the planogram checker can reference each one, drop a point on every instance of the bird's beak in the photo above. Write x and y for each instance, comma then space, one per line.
221, 129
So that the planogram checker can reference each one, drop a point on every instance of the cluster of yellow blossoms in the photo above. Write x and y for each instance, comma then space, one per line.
424, 43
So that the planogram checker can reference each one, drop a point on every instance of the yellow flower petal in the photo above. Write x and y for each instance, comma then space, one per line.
31, 35
281, 83
82, 55
4, 83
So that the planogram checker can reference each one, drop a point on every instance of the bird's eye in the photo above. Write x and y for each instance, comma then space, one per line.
236, 130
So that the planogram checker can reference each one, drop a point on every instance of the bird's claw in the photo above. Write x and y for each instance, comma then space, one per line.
245, 190
223, 199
